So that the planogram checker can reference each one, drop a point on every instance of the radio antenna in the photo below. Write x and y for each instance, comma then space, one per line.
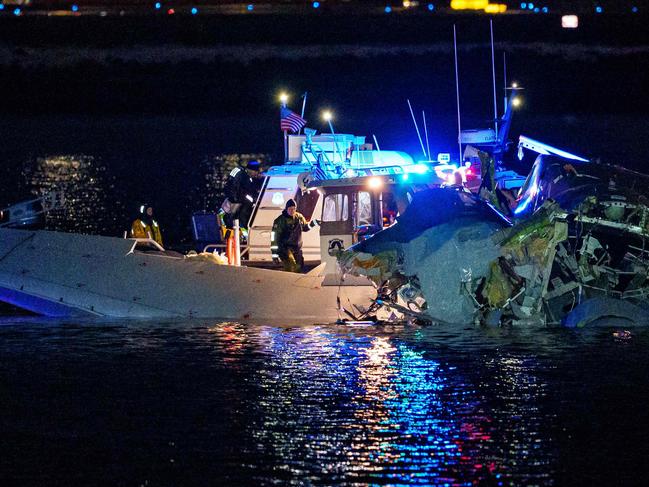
423, 115
457, 96
416, 128
493, 75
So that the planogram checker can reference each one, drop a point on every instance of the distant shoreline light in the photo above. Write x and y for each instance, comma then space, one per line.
569, 21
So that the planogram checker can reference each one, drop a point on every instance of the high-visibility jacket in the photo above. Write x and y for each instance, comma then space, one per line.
140, 229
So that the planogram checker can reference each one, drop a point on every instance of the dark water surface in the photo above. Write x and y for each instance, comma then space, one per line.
206, 403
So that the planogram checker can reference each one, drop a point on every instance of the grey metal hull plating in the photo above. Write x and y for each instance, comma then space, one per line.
59, 274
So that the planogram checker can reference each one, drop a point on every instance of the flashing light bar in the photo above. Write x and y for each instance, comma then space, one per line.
420, 168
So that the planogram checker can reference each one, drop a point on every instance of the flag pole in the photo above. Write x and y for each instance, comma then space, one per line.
285, 136
331, 127
285, 146
303, 107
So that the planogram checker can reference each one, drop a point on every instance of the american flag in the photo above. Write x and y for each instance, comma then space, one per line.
290, 121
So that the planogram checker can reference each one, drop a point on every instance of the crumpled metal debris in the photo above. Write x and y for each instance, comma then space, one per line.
580, 254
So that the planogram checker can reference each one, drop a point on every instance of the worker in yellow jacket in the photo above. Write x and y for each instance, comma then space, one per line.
145, 226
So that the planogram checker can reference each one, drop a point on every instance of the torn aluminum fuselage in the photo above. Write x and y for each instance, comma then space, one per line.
444, 232
582, 235
581, 242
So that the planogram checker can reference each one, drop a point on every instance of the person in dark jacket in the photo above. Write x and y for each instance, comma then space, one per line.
286, 237
241, 191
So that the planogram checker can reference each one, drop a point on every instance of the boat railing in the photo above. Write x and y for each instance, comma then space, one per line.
317, 156
148, 241
244, 250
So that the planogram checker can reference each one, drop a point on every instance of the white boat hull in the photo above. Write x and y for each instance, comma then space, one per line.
59, 274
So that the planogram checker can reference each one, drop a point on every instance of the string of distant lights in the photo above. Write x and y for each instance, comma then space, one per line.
405, 5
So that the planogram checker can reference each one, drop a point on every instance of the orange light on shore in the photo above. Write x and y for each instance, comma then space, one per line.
495, 8
469, 4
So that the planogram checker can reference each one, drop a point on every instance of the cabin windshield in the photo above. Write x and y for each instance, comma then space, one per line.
364, 209
335, 208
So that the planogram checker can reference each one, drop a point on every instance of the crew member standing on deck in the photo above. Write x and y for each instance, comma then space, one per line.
286, 237
145, 226
241, 190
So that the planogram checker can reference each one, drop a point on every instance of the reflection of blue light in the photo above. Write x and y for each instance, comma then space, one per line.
431, 7
522, 206
528, 199
34, 304
634, 9
316, 4
523, 5
598, 9
530, 6
17, 11
405, 177
194, 10
158, 5
75, 8
545, 10
250, 7
536, 10
2, 6
388, 9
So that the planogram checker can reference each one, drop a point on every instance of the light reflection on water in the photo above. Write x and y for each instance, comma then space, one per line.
237, 403
102, 191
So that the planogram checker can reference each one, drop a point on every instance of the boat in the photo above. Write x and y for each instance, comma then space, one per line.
61, 274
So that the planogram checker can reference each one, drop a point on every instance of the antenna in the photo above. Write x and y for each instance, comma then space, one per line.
423, 114
416, 128
493, 75
457, 95
376, 142
304, 102
505, 77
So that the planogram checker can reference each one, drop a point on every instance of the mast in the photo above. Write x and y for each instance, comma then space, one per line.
457, 96
493, 76
505, 78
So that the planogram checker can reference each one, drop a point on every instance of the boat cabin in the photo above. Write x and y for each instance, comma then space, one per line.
311, 160
354, 209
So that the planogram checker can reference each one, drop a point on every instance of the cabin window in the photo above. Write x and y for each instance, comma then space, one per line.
364, 209
389, 208
306, 202
335, 208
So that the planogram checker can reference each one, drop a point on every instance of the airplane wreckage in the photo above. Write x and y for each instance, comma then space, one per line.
572, 249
